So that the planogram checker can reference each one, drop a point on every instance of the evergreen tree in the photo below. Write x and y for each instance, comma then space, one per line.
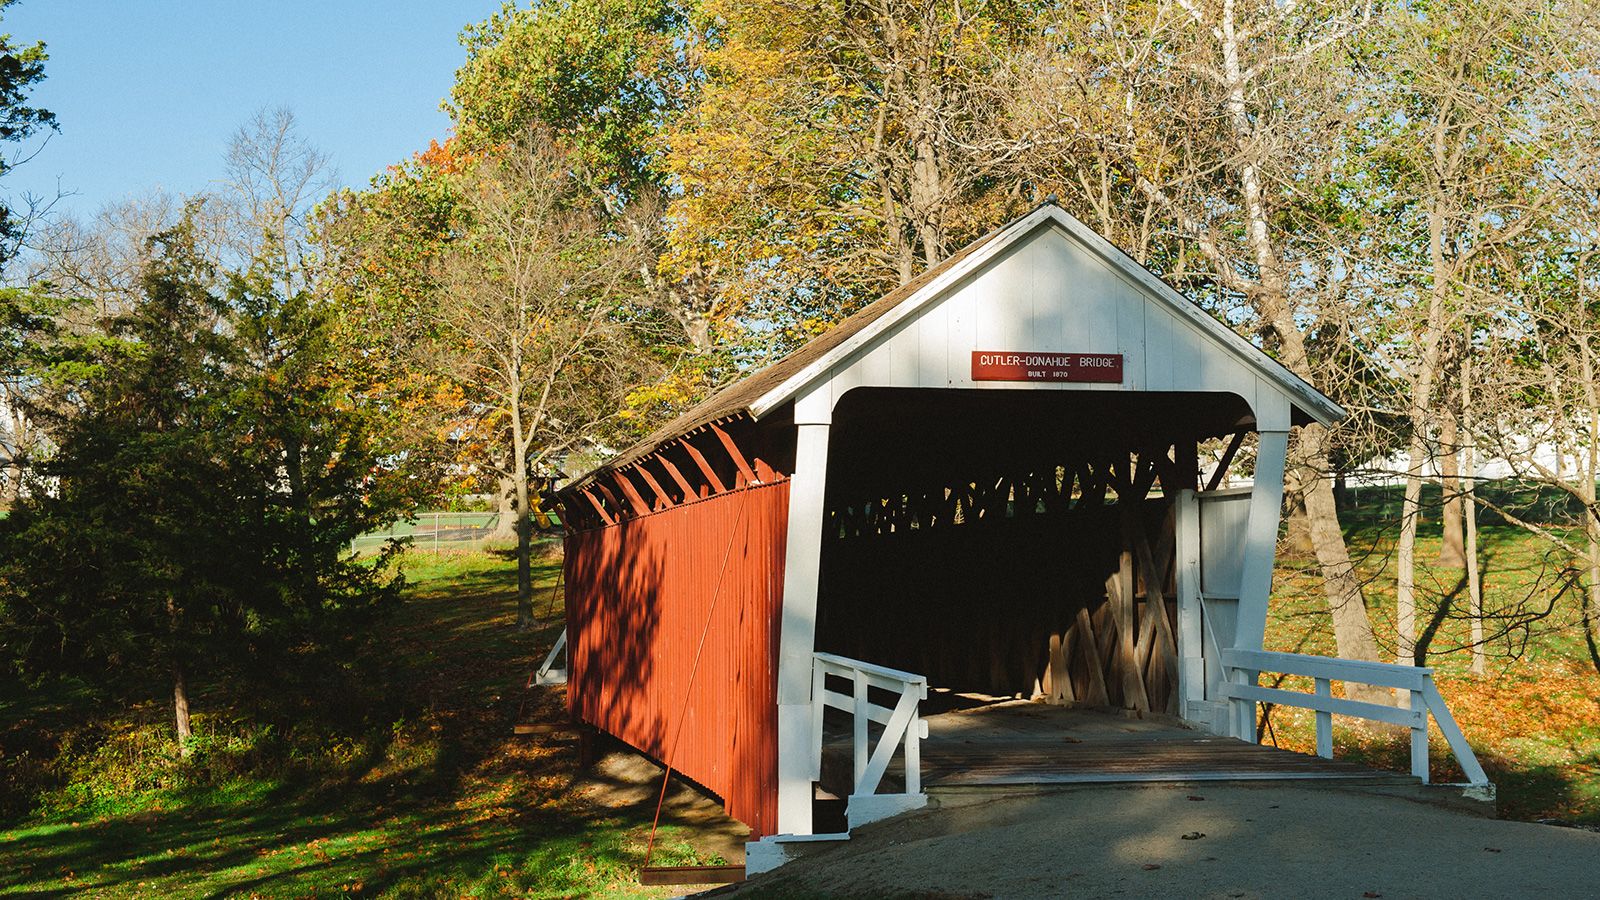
194, 520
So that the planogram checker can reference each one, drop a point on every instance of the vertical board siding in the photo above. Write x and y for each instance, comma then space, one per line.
642, 595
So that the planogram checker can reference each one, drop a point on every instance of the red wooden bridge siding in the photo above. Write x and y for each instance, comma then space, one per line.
641, 593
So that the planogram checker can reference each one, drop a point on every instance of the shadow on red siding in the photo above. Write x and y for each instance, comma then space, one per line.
640, 595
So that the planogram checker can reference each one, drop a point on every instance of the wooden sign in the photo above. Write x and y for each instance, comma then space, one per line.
1006, 365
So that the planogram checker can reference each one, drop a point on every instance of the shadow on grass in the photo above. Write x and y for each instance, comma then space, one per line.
1567, 791
289, 848
439, 798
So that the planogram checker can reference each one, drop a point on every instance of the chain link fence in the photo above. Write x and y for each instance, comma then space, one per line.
444, 532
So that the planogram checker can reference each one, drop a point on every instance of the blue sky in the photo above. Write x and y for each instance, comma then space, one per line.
149, 91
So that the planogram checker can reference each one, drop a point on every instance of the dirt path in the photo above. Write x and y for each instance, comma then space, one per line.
1214, 841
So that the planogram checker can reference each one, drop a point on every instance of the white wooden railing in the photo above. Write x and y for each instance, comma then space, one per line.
1241, 667
548, 672
903, 728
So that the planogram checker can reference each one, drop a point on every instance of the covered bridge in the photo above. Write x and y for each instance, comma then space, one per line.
987, 482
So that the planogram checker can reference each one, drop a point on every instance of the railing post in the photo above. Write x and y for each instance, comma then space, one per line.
1324, 722
819, 703
1244, 710
860, 738
913, 756
1419, 737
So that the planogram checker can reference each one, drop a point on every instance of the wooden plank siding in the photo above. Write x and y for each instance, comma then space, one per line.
1046, 294
647, 598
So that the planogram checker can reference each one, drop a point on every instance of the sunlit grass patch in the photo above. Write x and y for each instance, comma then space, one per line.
428, 796
1533, 719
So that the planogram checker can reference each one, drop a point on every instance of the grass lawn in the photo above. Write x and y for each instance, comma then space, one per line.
403, 779
431, 799
1533, 719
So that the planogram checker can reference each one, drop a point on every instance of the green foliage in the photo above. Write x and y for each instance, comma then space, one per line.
399, 778
196, 515
602, 75
21, 70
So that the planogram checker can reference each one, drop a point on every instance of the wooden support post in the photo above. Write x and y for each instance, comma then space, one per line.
1227, 460
1058, 682
598, 507
1155, 603
1244, 711
632, 493
1186, 465
798, 624
1096, 481
689, 493
663, 501
705, 467
746, 473
611, 498
1261, 538
858, 736
1186, 550
1120, 589
1419, 737
1098, 695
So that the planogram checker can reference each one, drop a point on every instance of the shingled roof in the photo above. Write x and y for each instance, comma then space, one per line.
759, 392
737, 398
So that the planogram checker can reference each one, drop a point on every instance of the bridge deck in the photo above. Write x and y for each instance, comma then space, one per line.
1015, 742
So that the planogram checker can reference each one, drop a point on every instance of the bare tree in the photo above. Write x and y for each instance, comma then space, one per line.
274, 178
1222, 118
1460, 85
84, 272
537, 317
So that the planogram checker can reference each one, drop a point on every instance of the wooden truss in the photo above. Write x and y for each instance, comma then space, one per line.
705, 462
1117, 650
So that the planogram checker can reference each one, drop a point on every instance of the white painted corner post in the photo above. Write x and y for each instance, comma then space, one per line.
813, 416
1260, 551
1191, 628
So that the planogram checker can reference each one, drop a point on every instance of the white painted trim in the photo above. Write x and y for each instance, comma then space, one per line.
1191, 642
1261, 538
907, 308
864, 809
798, 626
775, 850
548, 673
902, 726
1308, 398
1417, 681
1296, 387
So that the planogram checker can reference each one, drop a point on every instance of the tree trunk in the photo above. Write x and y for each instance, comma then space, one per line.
11, 485
1469, 515
1405, 591
1452, 549
1341, 585
1352, 628
1351, 624
1587, 490
697, 328
505, 527
180, 708
1591, 595
524, 549
1420, 416
11, 488
1299, 528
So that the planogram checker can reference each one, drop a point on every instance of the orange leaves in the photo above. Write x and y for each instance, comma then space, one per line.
445, 158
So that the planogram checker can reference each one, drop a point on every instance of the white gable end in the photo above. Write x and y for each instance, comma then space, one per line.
1050, 286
